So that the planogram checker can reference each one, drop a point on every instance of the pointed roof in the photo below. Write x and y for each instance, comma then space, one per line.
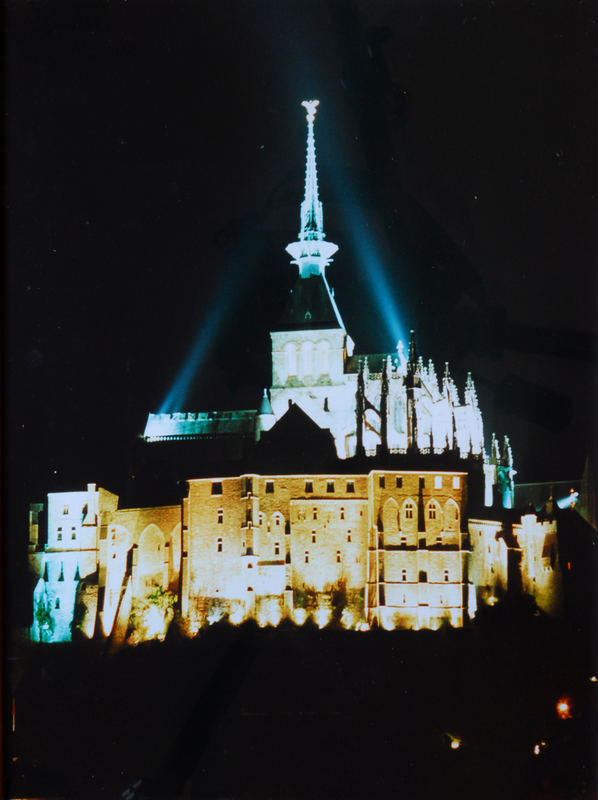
310, 306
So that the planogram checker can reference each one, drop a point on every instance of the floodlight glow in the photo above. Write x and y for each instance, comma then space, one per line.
569, 501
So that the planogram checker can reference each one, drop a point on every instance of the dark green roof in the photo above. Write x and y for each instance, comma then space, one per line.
310, 306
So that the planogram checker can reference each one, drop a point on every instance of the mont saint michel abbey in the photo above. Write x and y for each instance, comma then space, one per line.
361, 490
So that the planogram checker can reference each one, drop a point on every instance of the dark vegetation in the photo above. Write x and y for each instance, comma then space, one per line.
300, 712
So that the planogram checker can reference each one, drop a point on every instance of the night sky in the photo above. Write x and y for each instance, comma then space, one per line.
154, 171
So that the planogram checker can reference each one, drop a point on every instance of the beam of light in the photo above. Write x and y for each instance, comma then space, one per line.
570, 501
177, 395
371, 261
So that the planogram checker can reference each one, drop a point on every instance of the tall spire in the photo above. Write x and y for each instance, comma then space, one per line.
311, 253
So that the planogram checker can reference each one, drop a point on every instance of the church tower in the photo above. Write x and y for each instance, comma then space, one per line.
311, 344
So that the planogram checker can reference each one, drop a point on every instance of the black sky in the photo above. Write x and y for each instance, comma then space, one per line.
154, 157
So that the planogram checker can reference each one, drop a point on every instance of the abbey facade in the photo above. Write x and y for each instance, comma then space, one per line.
394, 546
397, 547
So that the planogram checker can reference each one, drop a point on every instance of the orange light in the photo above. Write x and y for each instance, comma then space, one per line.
455, 744
563, 708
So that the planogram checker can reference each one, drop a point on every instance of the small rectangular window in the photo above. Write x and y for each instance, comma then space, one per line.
338, 556
313, 537
403, 540
269, 487
382, 481
348, 536
219, 545
65, 510
216, 487
438, 482
330, 486
446, 575
220, 516
248, 485
315, 513
456, 482
342, 513
276, 548
59, 537
350, 487
73, 535
306, 557
399, 483
309, 487
404, 575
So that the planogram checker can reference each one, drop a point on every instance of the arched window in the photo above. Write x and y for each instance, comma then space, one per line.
409, 509
324, 357
307, 358
290, 351
432, 511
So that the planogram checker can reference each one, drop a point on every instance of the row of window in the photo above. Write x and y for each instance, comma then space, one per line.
408, 509
59, 533
309, 365
330, 485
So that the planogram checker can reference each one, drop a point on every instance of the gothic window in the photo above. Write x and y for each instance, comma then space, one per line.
409, 509
342, 513
269, 487
350, 487
216, 487
220, 516
307, 556
338, 556
330, 486
432, 511
219, 544
398, 415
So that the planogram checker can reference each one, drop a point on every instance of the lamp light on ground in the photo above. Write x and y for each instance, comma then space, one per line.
563, 708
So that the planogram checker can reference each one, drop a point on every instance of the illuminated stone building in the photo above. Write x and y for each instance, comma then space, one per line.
404, 525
